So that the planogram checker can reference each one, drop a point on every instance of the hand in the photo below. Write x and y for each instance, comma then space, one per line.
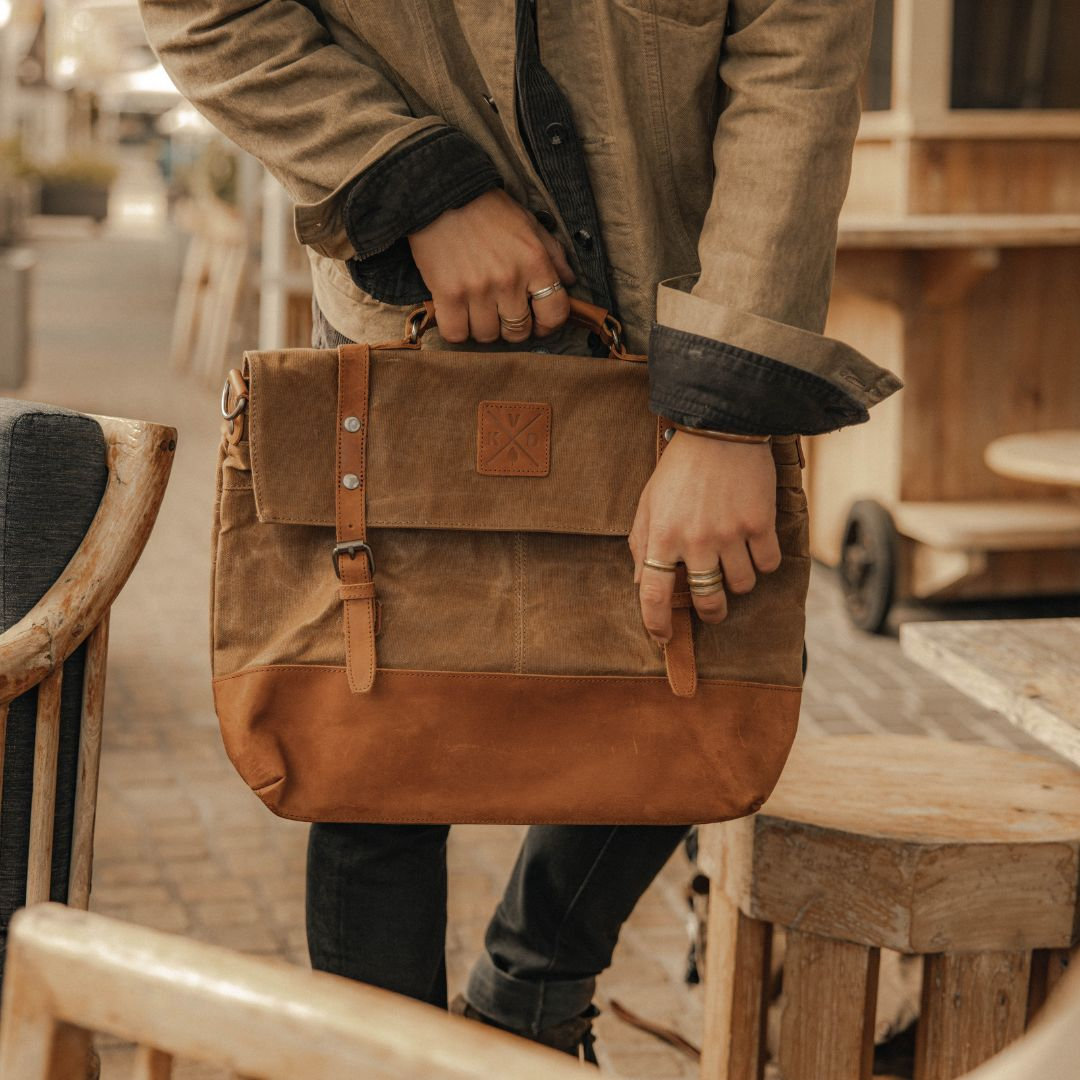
708, 501
482, 260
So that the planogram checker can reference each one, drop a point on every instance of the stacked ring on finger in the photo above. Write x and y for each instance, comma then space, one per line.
705, 582
518, 322
663, 567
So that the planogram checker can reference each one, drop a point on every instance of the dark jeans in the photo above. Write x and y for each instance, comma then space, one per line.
376, 903
376, 911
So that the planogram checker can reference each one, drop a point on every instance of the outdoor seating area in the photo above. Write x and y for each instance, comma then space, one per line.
903, 905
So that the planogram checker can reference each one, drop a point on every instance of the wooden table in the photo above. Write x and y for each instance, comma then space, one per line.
1043, 457
1026, 669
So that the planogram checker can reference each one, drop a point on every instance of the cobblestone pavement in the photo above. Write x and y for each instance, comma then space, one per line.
181, 843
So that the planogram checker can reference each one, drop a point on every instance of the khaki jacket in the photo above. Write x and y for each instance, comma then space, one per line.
718, 139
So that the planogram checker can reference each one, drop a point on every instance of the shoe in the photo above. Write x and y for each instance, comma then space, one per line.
574, 1036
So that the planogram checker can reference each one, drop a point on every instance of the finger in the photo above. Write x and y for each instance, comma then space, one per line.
549, 312
513, 305
711, 608
483, 319
452, 317
739, 574
636, 540
654, 594
558, 257
765, 551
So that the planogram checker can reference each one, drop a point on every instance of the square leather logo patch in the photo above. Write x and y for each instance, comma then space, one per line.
514, 438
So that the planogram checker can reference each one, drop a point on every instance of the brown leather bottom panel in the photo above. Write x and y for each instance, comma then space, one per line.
459, 747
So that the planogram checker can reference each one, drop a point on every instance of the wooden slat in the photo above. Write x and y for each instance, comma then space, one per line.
43, 801
973, 1004
736, 991
86, 785
1048, 967
827, 1021
151, 1064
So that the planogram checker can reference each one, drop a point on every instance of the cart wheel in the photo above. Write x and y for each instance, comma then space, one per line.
868, 564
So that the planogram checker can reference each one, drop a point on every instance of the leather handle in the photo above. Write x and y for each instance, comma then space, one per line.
591, 316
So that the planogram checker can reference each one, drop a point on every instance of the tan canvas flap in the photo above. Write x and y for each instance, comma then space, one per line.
491, 441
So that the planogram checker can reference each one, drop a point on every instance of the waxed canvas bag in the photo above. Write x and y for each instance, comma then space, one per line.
423, 598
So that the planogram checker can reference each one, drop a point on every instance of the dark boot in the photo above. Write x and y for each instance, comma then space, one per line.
574, 1036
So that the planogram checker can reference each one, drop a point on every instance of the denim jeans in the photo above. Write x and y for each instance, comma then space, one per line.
376, 903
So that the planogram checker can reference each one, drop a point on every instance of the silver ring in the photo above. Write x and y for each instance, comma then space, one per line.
546, 291
519, 322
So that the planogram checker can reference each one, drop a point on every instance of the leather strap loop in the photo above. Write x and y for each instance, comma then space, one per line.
357, 590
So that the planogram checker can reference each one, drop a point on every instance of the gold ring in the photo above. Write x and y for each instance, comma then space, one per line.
706, 590
546, 291
705, 577
663, 567
519, 322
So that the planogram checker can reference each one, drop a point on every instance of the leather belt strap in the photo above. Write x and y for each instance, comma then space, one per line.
679, 651
352, 556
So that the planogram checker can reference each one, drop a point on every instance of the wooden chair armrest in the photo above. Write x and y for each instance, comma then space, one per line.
140, 457
203, 1002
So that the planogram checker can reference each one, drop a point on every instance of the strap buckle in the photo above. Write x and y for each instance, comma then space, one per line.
350, 548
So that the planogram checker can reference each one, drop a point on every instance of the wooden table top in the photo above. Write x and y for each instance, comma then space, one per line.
1026, 669
1044, 457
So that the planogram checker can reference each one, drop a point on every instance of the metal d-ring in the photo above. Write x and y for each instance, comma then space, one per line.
237, 409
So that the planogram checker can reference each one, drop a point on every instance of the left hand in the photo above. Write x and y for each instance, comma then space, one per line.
708, 502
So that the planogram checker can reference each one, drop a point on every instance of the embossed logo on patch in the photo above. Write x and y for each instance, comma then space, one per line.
514, 438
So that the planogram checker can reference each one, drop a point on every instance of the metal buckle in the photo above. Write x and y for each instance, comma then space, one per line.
350, 548
236, 410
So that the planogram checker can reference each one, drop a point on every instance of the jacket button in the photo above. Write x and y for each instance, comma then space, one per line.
584, 238
547, 219
556, 133
491, 101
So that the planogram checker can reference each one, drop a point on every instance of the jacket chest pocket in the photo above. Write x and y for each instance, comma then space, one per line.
687, 12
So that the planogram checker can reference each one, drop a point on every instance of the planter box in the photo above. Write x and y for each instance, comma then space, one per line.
80, 200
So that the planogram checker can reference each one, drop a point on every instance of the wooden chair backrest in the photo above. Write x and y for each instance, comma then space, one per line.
72, 972
74, 610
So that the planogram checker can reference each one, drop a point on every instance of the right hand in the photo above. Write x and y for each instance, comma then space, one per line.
483, 260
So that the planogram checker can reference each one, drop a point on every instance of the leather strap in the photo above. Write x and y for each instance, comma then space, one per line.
679, 651
591, 316
355, 567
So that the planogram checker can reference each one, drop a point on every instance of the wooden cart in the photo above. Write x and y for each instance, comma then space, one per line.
958, 268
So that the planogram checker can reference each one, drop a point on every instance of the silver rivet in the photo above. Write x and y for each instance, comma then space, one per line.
351, 423
669, 434
351, 481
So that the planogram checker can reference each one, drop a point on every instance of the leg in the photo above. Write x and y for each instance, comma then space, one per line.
376, 906
555, 929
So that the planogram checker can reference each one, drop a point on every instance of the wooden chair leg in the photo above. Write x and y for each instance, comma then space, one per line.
151, 1064
973, 1004
736, 991
827, 1021
86, 785
43, 800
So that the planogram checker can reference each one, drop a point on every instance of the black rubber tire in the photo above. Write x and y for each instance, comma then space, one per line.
868, 565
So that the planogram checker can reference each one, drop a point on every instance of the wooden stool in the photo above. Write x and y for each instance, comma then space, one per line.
966, 855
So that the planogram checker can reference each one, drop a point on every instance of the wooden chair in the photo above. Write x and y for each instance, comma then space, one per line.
70, 973
74, 610
965, 855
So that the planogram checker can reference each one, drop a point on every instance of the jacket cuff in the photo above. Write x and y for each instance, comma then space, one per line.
412, 185
716, 367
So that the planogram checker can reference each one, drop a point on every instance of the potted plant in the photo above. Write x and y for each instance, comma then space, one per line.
78, 184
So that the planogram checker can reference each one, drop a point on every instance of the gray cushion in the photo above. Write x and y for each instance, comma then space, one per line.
52, 476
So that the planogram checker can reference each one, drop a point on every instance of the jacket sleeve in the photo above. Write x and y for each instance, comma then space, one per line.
738, 346
323, 121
